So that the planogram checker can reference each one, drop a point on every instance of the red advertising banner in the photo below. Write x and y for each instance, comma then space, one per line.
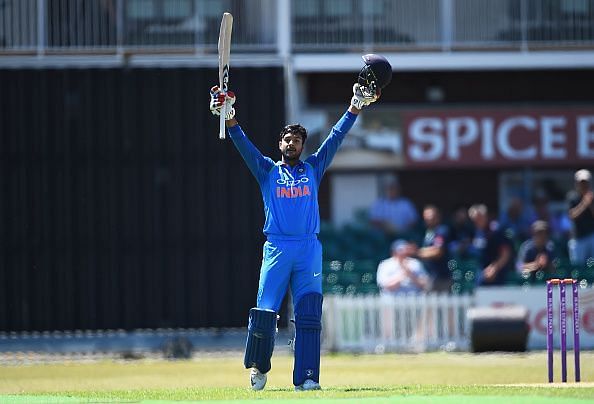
499, 137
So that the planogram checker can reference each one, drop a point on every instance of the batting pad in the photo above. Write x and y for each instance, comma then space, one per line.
308, 326
260, 339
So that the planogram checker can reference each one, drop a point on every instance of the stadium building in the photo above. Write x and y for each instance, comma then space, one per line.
120, 196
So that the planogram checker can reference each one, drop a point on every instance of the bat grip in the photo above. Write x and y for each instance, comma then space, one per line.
222, 122
223, 88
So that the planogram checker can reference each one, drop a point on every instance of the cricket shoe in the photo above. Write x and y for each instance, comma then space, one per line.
308, 385
257, 379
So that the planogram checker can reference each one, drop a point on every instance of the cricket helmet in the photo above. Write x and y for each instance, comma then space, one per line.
375, 75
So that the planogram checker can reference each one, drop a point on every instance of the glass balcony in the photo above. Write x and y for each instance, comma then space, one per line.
177, 26
104, 26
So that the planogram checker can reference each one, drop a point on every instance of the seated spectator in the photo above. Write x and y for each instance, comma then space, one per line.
516, 220
558, 221
559, 224
434, 252
393, 213
401, 273
461, 230
536, 254
489, 245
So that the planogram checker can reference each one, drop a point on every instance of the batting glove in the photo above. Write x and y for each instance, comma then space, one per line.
217, 98
359, 100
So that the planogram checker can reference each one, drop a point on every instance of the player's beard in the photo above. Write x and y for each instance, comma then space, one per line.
289, 157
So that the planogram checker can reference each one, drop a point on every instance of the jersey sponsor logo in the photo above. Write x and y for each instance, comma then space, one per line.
292, 183
293, 192
290, 187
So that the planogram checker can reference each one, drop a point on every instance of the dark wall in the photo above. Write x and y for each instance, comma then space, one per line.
504, 86
119, 206
451, 189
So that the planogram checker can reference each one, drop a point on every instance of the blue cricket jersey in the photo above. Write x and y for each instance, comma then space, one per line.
290, 194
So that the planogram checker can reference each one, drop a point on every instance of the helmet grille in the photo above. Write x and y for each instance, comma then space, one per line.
367, 81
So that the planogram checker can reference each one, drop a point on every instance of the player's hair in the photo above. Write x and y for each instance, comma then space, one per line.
295, 129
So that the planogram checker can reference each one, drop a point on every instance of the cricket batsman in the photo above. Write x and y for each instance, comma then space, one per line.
292, 252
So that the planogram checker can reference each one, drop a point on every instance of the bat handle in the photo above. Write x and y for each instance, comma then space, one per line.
222, 121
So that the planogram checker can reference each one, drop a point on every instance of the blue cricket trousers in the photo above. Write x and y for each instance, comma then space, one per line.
298, 261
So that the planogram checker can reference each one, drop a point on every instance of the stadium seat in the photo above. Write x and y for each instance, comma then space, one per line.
368, 288
368, 278
347, 278
365, 266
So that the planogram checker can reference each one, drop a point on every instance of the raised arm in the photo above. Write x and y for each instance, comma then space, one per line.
258, 164
582, 205
375, 75
322, 158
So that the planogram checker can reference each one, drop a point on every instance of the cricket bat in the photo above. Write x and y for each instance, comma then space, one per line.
224, 51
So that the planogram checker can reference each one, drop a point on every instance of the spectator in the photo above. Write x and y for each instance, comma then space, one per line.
515, 221
559, 223
393, 213
401, 273
489, 245
537, 253
461, 230
434, 252
581, 212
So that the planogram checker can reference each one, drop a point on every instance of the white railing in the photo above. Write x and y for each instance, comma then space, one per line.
100, 26
338, 24
441, 24
283, 26
412, 323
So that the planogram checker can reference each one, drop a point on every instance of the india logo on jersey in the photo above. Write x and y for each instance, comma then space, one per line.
292, 188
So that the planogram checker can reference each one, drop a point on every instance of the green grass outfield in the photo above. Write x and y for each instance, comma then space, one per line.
443, 378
